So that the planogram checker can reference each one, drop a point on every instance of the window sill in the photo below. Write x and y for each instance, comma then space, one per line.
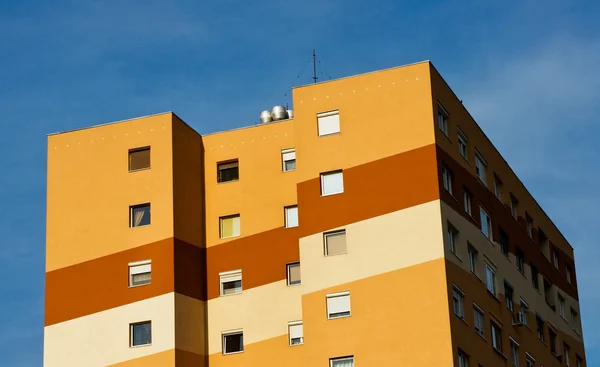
333, 193
139, 285
139, 169
462, 318
140, 226
337, 317
493, 296
296, 345
229, 295
226, 238
226, 182
228, 354
456, 256
286, 227
481, 335
330, 134
295, 284
500, 353
140, 346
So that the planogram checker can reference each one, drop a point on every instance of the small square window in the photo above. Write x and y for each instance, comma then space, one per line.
231, 282
296, 333
458, 299
451, 237
140, 334
229, 226
228, 171
481, 168
233, 342
332, 183
467, 201
335, 242
442, 117
328, 123
293, 274
342, 362
338, 305
486, 223
139, 215
462, 144
288, 159
140, 273
139, 159
291, 216
447, 179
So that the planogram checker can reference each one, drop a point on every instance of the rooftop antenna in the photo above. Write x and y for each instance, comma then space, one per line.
314, 66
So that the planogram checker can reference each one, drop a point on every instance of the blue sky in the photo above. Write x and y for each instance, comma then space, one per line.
527, 71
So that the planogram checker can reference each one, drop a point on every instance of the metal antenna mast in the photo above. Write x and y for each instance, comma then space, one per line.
314, 66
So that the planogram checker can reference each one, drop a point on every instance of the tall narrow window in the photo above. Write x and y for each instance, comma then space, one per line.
481, 168
514, 352
486, 223
552, 341
472, 255
478, 319
568, 274
447, 179
467, 201
555, 258
288, 159
462, 144
338, 305
451, 235
342, 362
442, 119
335, 242
139, 215
514, 204
140, 273
229, 226
574, 320
293, 274
508, 295
530, 361
567, 351
291, 216
496, 336
139, 159
231, 282
490, 279
540, 327
529, 225
332, 183
578, 362
228, 171
561, 306
463, 359
140, 333
328, 123
534, 277
296, 333
498, 188
520, 256
524, 311
458, 298
503, 241
233, 341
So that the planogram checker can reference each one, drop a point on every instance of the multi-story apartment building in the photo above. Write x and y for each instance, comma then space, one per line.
377, 227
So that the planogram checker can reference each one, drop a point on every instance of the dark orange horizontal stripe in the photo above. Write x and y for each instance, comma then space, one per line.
371, 189
103, 283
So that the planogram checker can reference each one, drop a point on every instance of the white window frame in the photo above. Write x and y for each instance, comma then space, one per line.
514, 352
524, 310
458, 301
341, 359
333, 127
478, 311
324, 175
326, 235
290, 210
566, 351
225, 334
467, 202
480, 167
233, 216
495, 342
442, 119
529, 360
447, 179
331, 315
230, 276
485, 217
293, 330
288, 155
463, 359
463, 142
140, 267
289, 278
489, 269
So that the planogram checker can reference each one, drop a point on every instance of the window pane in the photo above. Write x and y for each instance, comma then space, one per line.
139, 159
291, 216
139, 215
141, 334
328, 123
230, 226
335, 243
296, 333
294, 274
288, 157
141, 279
342, 362
228, 171
338, 306
233, 343
332, 183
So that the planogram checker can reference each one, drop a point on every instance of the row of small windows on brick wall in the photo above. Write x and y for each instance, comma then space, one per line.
451, 237
520, 319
